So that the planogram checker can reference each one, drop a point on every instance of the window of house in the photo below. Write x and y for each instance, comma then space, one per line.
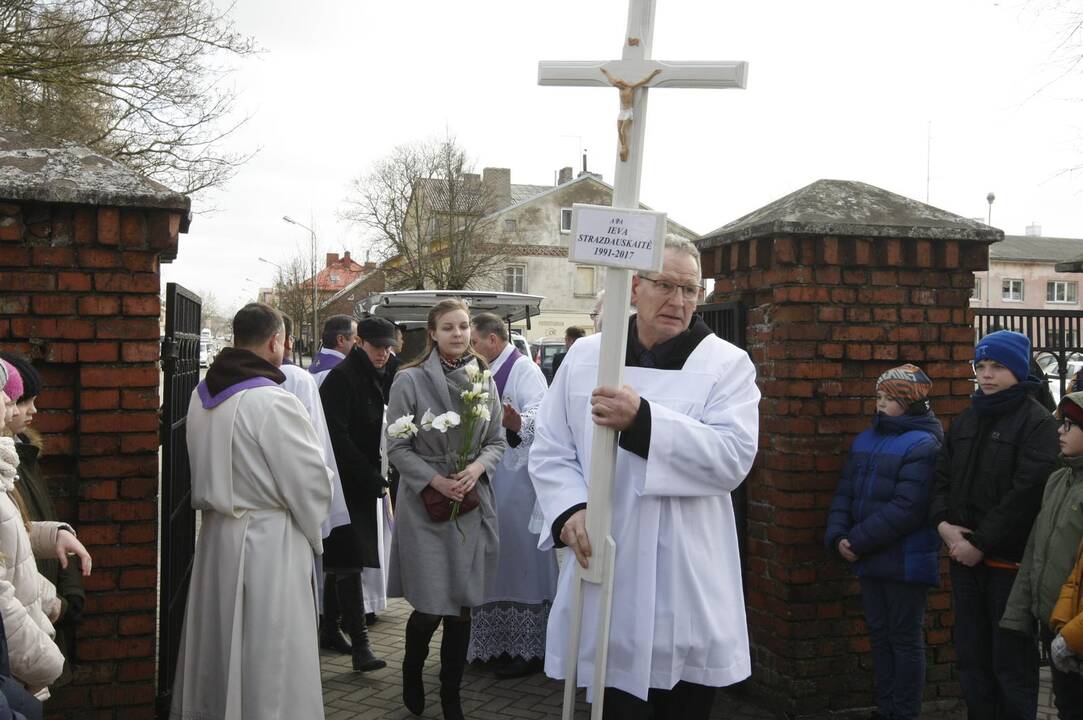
1061, 292
565, 220
976, 292
1011, 290
515, 279
584, 281
511, 225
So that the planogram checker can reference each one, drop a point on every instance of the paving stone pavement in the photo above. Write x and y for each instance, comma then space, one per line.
378, 695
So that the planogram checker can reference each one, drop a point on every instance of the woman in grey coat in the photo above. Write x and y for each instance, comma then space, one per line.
441, 567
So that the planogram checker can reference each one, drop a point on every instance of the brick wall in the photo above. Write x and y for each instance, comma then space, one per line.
827, 315
80, 296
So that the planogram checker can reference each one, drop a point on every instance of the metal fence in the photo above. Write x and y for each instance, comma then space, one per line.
1055, 335
180, 366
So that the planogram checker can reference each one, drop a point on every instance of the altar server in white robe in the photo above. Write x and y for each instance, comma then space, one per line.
510, 625
688, 422
248, 649
303, 385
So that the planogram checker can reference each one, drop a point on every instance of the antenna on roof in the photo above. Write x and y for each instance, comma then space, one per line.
584, 160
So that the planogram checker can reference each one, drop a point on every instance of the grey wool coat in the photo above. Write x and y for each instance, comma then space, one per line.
431, 566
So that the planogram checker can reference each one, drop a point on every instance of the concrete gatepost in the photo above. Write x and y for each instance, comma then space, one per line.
841, 281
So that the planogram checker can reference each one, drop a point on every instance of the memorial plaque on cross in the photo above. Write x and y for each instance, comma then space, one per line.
632, 75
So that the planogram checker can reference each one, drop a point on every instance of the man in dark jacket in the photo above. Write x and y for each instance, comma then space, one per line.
989, 481
353, 403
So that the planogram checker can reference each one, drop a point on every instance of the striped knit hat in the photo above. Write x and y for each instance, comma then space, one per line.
907, 384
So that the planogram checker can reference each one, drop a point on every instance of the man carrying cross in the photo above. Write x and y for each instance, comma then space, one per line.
688, 426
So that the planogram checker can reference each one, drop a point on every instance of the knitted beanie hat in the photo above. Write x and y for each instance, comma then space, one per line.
906, 384
1071, 407
13, 388
1010, 349
31, 379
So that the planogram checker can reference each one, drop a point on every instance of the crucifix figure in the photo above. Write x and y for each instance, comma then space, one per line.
595, 460
627, 102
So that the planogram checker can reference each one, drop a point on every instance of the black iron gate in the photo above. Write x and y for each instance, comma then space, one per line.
727, 320
180, 366
1055, 335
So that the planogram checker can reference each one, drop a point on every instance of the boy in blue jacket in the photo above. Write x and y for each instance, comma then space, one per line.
878, 523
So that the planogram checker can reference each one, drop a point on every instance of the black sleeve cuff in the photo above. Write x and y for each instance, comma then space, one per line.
513, 438
558, 524
637, 438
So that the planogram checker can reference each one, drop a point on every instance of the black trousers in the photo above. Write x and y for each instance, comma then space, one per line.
343, 598
686, 701
998, 669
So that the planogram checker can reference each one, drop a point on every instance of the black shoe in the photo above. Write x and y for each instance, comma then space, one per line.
331, 638
364, 660
518, 667
371, 619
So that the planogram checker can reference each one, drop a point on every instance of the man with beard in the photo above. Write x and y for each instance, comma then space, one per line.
353, 403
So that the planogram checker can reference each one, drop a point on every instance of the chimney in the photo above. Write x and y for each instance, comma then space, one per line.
346, 257
565, 175
1034, 230
497, 184
332, 258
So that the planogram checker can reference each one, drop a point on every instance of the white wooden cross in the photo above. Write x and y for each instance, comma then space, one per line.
633, 74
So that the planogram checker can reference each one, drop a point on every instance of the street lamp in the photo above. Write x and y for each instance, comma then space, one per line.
315, 324
988, 270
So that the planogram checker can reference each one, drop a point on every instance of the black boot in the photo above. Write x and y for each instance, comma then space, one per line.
331, 637
419, 630
452, 663
353, 619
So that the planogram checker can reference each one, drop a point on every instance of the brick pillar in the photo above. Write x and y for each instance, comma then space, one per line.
827, 313
80, 296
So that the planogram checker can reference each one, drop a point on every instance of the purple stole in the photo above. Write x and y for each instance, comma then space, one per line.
211, 401
502, 375
324, 361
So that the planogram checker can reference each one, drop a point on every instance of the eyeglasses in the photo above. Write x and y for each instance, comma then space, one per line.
689, 293
1066, 425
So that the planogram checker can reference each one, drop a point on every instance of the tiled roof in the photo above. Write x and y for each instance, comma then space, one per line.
1036, 248
520, 193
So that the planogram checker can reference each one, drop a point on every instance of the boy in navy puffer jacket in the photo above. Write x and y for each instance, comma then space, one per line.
877, 522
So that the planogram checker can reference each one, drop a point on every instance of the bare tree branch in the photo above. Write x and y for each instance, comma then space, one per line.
422, 207
142, 81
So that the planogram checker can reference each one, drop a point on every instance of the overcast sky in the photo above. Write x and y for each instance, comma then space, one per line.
843, 89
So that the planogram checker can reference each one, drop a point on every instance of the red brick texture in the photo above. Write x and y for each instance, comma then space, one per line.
80, 288
825, 317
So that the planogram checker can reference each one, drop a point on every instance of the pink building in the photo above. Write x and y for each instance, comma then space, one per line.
1022, 274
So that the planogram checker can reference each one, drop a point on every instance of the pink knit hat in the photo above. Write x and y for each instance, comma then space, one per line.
14, 387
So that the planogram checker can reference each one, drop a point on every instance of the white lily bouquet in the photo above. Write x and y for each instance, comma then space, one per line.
476, 401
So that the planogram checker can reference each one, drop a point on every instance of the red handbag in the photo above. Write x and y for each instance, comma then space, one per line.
438, 505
